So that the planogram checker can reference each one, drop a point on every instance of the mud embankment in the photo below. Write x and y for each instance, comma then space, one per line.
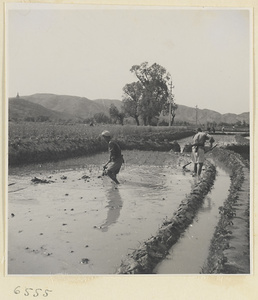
230, 245
145, 258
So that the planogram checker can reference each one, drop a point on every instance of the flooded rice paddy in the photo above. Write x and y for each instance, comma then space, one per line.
80, 222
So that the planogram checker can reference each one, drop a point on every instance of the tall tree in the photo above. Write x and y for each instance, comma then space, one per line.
116, 115
151, 91
101, 118
131, 100
114, 112
173, 108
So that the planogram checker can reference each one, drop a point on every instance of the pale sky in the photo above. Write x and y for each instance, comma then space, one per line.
88, 51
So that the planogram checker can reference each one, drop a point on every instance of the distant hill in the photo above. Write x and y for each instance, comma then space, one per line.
77, 106
21, 109
64, 107
188, 114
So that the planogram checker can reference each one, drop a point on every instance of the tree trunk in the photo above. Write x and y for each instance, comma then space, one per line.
137, 120
172, 121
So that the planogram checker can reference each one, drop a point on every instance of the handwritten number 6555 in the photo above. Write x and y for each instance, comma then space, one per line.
17, 291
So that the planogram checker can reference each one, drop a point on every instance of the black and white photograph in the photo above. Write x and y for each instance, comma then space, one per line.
129, 140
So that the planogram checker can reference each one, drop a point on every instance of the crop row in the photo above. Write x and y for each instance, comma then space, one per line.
39, 142
36, 142
28, 130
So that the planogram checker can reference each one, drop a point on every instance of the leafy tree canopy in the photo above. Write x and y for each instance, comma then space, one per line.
116, 115
146, 97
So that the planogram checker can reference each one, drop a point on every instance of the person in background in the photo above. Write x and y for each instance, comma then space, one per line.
198, 144
113, 165
211, 141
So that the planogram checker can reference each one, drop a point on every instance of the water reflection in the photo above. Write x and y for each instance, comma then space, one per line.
207, 205
114, 206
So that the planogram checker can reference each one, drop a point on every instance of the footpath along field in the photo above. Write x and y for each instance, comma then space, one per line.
64, 224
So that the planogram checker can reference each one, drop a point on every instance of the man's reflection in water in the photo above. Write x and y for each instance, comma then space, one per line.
114, 206
207, 205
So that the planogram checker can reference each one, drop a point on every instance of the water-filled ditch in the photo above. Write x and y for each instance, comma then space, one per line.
189, 254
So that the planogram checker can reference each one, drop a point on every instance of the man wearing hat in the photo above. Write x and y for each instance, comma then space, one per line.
198, 149
112, 167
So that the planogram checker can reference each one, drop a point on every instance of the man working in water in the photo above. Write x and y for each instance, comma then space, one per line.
112, 167
198, 149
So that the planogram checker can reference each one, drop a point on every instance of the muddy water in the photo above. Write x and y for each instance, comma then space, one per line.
189, 254
80, 222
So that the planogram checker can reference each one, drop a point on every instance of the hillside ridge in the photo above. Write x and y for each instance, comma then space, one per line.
74, 108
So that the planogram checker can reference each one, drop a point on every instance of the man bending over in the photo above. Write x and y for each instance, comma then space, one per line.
198, 150
112, 167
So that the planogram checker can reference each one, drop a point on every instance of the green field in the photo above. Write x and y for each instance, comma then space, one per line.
39, 142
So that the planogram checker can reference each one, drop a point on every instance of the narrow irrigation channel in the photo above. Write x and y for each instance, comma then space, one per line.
189, 254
